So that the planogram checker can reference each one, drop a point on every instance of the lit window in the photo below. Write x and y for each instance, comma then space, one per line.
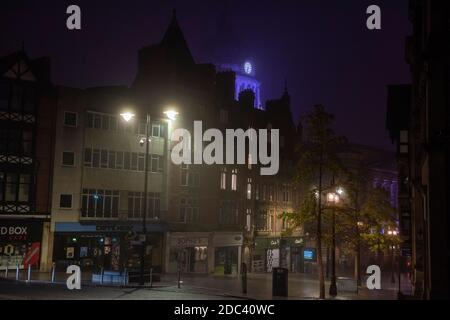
248, 225
223, 179
234, 180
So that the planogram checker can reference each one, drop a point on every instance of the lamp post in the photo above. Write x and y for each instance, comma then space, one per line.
333, 198
392, 233
128, 116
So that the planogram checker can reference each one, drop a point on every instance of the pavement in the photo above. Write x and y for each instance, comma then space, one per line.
193, 287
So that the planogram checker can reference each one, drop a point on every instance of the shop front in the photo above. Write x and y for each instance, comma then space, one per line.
20, 243
227, 253
204, 252
111, 247
274, 252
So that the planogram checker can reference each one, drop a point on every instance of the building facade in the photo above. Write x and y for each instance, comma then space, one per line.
27, 108
418, 120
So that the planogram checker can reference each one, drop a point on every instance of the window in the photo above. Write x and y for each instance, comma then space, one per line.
68, 158
156, 163
119, 160
70, 119
234, 179
113, 123
285, 225
104, 159
223, 179
134, 161
89, 120
2, 184
403, 136
97, 121
228, 213
96, 158
249, 188
65, 201
261, 221
141, 161
141, 128
184, 175
136, 204
105, 122
27, 142
127, 161
112, 159
285, 192
189, 211
88, 157
24, 188
256, 191
156, 130
100, 203
248, 221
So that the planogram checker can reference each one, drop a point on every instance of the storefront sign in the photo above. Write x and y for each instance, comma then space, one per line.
182, 242
113, 228
20, 230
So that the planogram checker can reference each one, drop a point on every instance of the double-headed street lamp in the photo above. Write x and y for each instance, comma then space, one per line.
128, 116
333, 198
393, 233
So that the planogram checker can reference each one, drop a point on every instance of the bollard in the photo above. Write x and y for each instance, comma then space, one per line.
17, 273
29, 273
244, 278
6, 271
179, 278
53, 272
151, 277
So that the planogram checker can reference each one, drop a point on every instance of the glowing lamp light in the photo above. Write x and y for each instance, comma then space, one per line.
127, 116
171, 114
340, 191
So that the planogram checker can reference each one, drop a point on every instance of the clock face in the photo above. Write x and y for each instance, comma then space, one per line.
248, 67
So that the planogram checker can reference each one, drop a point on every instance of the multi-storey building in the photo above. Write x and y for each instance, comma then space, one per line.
27, 109
419, 124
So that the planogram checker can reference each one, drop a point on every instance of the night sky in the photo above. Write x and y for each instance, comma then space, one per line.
323, 48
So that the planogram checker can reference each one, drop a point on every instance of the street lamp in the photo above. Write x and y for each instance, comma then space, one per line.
128, 116
333, 198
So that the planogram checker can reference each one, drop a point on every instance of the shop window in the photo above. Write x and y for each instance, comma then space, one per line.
65, 201
68, 158
70, 119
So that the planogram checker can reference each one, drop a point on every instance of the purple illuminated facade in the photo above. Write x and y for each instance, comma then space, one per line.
245, 79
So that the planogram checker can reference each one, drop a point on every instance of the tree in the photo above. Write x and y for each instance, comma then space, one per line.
318, 160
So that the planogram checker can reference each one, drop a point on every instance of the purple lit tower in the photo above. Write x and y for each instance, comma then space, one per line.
245, 79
